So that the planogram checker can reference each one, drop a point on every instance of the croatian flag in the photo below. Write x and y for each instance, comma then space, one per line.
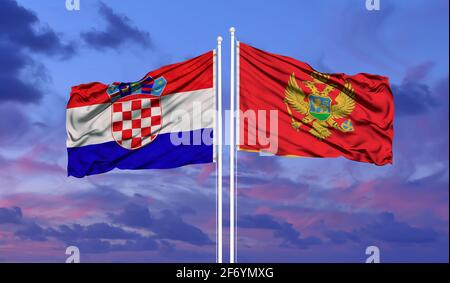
165, 120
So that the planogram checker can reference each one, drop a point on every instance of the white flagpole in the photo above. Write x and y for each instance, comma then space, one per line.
237, 144
232, 149
219, 150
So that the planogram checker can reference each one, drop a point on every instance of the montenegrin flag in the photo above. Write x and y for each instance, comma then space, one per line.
312, 114
165, 120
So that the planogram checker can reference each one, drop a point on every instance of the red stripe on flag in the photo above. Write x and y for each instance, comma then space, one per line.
190, 75
88, 94
193, 74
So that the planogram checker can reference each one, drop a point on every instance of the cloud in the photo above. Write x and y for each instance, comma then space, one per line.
412, 98
134, 216
167, 226
10, 215
32, 231
102, 237
259, 221
341, 237
19, 27
129, 227
94, 231
172, 227
387, 229
67, 233
419, 72
30, 164
12, 132
12, 62
117, 33
94, 238
102, 246
291, 237
21, 36
384, 228
286, 190
399, 192
268, 165
281, 229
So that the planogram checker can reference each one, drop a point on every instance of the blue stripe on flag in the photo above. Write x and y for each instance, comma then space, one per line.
159, 154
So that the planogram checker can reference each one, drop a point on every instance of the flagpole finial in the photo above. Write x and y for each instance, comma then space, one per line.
219, 39
232, 30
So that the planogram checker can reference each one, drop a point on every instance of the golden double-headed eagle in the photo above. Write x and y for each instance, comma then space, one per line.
317, 108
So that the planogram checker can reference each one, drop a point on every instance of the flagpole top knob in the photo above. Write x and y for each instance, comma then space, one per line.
232, 30
219, 39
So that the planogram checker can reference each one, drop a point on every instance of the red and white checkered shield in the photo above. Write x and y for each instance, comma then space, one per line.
136, 120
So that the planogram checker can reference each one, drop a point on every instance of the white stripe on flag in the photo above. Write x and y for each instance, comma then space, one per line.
92, 124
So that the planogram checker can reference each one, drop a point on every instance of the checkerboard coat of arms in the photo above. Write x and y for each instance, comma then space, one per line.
136, 111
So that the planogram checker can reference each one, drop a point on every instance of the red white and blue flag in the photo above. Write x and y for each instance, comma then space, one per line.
165, 120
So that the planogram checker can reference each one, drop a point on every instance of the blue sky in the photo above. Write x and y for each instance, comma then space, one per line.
289, 209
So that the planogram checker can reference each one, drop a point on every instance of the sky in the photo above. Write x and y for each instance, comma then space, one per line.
289, 210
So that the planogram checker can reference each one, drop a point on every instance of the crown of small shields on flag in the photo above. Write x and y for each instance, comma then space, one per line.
136, 111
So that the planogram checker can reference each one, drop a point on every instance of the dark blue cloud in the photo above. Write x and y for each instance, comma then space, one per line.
12, 62
93, 231
94, 238
93, 246
260, 221
141, 244
32, 231
387, 229
21, 36
10, 215
96, 246
341, 237
281, 229
291, 237
12, 132
75, 232
172, 227
168, 226
107, 197
134, 216
18, 27
118, 32
100, 237
412, 98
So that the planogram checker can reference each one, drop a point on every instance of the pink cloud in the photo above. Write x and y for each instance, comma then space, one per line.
51, 207
206, 171
407, 201
31, 251
270, 192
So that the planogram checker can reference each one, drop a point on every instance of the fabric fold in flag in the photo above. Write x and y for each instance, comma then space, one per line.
165, 120
317, 114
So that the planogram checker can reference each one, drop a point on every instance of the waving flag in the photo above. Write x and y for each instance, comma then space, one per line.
318, 114
165, 120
